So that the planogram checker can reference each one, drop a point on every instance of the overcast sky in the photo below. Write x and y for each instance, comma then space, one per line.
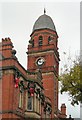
17, 20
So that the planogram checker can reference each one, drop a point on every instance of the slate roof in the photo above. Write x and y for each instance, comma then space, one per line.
44, 21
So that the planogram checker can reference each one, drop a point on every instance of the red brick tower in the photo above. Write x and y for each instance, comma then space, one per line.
43, 54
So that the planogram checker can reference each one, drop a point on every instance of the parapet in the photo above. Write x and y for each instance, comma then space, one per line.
6, 40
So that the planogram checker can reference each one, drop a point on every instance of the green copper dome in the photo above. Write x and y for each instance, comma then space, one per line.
44, 21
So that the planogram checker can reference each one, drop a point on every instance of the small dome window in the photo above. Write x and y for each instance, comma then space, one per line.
40, 40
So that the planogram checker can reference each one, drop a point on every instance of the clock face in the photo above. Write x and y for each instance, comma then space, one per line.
40, 61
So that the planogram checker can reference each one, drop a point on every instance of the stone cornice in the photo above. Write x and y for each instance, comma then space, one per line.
26, 78
49, 71
40, 52
14, 58
15, 69
7, 44
30, 52
54, 35
6, 49
43, 29
45, 51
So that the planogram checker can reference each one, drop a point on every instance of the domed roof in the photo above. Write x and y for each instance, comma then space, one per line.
44, 21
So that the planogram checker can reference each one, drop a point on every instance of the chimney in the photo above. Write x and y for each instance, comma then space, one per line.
63, 110
6, 47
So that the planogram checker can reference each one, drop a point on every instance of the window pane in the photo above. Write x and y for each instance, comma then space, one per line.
20, 100
40, 40
29, 107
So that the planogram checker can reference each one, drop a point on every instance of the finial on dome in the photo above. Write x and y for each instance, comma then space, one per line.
44, 11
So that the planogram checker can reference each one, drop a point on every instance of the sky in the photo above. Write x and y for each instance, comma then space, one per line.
17, 20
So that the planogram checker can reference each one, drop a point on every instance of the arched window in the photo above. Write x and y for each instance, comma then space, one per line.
49, 39
40, 40
32, 42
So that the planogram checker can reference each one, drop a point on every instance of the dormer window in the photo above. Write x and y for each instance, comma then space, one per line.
40, 40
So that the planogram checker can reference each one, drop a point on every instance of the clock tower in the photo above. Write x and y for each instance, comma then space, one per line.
43, 54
